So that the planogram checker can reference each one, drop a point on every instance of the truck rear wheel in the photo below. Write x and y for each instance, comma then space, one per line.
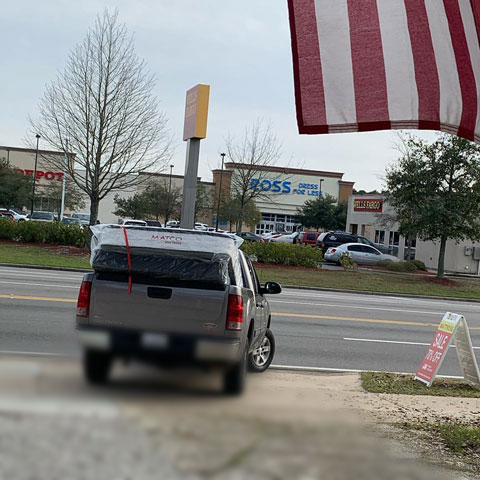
96, 366
261, 358
234, 377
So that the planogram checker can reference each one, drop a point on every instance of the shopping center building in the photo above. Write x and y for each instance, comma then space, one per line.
283, 189
371, 216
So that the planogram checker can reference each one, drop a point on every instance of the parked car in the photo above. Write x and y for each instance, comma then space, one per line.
285, 238
172, 224
153, 223
250, 237
334, 239
131, 222
71, 221
17, 215
307, 238
267, 237
83, 217
201, 226
7, 215
39, 216
214, 311
360, 253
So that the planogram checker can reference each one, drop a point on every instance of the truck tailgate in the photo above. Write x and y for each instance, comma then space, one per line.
158, 308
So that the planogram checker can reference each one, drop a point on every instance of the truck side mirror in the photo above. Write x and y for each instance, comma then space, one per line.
271, 288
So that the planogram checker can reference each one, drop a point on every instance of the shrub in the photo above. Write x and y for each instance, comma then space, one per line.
283, 253
384, 263
401, 267
419, 264
346, 261
43, 232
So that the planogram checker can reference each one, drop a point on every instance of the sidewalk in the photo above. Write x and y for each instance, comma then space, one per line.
150, 424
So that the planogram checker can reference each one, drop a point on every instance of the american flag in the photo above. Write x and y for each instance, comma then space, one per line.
363, 65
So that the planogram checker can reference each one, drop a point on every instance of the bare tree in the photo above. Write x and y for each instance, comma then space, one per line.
252, 157
102, 108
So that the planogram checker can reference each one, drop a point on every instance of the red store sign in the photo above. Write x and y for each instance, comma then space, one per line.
41, 174
367, 204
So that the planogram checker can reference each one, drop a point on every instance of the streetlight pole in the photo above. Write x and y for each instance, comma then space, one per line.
320, 193
169, 194
219, 193
34, 175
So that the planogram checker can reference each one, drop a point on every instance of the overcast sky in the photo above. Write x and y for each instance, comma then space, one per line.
242, 49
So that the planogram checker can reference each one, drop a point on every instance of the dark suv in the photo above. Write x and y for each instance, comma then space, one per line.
334, 239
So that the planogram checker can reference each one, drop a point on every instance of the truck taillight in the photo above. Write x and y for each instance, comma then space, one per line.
83, 302
235, 312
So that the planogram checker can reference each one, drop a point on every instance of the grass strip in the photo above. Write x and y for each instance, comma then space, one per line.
369, 281
382, 382
44, 255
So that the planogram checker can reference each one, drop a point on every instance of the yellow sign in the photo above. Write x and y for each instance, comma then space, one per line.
196, 112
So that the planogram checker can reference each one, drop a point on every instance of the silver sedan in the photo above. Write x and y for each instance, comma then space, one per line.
359, 253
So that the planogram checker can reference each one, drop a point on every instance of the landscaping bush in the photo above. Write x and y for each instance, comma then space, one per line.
384, 263
283, 253
402, 267
419, 264
346, 261
43, 232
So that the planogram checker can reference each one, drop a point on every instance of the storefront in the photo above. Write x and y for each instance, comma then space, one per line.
282, 190
372, 217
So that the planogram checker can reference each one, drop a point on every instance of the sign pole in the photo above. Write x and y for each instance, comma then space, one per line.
194, 129
190, 183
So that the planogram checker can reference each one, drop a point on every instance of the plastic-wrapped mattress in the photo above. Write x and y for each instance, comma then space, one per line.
175, 254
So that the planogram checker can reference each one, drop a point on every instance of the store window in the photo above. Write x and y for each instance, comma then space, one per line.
276, 222
380, 237
353, 228
410, 248
393, 241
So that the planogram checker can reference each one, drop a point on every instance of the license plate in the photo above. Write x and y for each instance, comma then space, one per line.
155, 340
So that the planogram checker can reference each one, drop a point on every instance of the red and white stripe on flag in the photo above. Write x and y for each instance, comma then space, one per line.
363, 65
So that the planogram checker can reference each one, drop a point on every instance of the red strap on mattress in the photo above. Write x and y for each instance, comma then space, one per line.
129, 260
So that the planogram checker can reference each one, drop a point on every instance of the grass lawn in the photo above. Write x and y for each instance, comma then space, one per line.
368, 281
46, 255
380, 382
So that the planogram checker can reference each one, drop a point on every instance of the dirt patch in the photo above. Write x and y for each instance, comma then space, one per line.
443, 281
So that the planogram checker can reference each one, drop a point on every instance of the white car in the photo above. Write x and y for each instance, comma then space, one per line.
39, 216
359, 253
287, 238
17, 216
133, 223
83, 217
201, 226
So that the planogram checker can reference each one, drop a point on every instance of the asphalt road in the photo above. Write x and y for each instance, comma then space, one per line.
312, 328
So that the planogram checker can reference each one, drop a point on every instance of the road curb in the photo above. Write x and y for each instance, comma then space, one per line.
46, 267
383, 294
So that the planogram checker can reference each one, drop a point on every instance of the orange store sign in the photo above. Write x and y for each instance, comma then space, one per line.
367, 204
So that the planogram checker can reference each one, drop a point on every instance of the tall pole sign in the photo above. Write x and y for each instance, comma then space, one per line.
194, 129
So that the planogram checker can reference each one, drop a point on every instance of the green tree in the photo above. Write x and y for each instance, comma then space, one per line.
234, 213
163, 200
132, 207
435, 191
323, 212
15, 188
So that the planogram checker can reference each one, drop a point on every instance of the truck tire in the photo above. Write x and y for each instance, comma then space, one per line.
261, 358
234, 377
96, 366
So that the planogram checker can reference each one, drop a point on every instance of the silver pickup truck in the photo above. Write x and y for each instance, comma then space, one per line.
173, 297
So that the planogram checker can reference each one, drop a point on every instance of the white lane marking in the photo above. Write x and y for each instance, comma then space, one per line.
393, 341
300, 368
75, 287
355, 307
36, 354
42, 275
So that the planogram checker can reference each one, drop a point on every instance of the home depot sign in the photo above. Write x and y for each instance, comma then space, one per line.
57, 176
